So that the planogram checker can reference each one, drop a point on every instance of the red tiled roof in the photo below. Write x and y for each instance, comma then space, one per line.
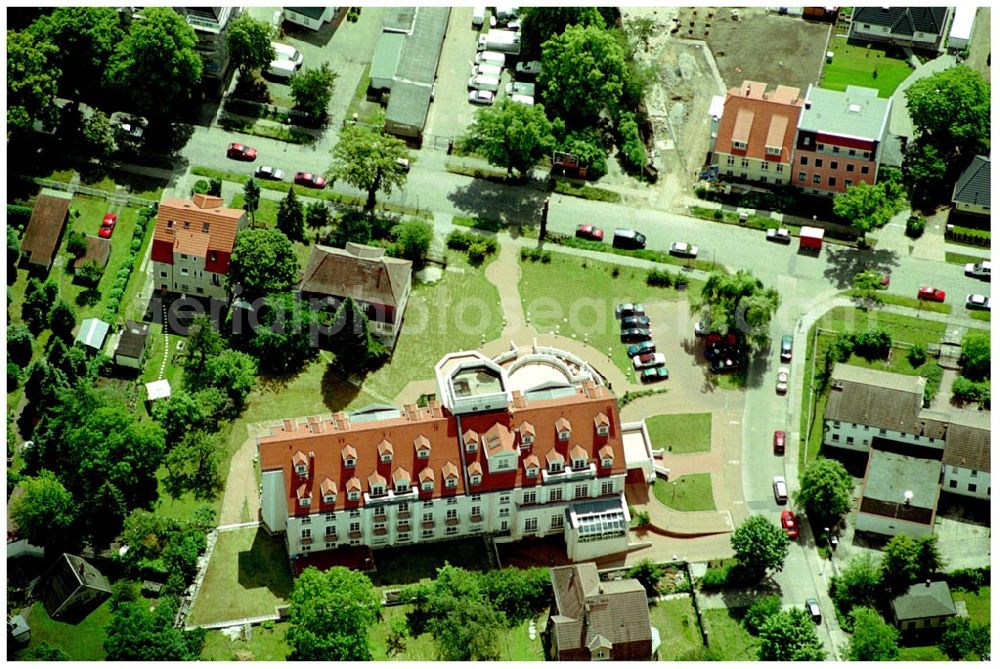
328, 487
760, 120
360, 272
201, 227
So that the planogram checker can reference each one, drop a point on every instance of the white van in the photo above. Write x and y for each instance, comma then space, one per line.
487, 70
478, 16
491, 58
523, 99
287, 52
282, 69
520, 88
484, 82
780, 490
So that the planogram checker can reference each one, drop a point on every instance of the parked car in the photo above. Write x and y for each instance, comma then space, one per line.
636, 334
930, 294
641, 348
683, 250
653, 374
591, 232
649, 360
786, 348
812, 608
779, 442
309, 180
108, 226
628, 239
404, 163
635, 322
629, 309
520, 88
241, 152
481, 97
978, 270
722, 364
779, 235
780, 489
702, 328
531, 68
790, 524
287, 52
782, 385
977, 302
269, 173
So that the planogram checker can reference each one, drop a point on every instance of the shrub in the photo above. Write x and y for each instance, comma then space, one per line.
536, 255
18, 216
873, 344
717, 214
13, 376
917, 355
477, 252
642, 519
715, 577
200, 186
659, 278
460, 240
915, 226
761, 609
966, 390
968, 579
135, 245
588, 146
215, 186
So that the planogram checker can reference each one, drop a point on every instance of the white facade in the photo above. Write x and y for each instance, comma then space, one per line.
752, 169
188, 275
866, 522
858, 437
293, 16
966, 482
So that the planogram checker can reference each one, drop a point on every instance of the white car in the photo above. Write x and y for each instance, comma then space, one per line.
978, 270
684, 249
520, 88
270, 173
530, 67
287, 52
977, 302
481, 97
782, 385
649, 360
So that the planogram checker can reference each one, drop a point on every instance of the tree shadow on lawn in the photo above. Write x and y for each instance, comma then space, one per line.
513, 205
337, 391
265, 565
843, 263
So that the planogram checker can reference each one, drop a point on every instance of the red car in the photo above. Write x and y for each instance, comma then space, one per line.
930, 294
790, 524
779, 442
108, 226
241, 152
591, 232
309, 180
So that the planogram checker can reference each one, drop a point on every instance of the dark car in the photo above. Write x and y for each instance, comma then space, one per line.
309, 180
629, 309
636, 334
654, 374
930, 294
241, 152
786, 348
779, 442
628, 239
812, 608
108, 226
591, 232
779, 235
641, 348
635, 322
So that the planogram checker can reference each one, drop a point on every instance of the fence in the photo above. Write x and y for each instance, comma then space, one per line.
113, 198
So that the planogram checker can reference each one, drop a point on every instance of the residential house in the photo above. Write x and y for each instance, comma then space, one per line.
528, 444
192, 244
591, 619
924, 606
211, 26
839, 139
131, 349
45, 228
310, 17
98, 250
917, 27
72, 588
756, 134
92, 333
379, 284
972, 190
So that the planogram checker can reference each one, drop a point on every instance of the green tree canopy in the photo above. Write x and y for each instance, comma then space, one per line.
412, 238
203, 344
330, 614
511, 135
649, 574
952, 109
288, 334
864, 207
825, 490
317, 214
249, 42
234, 373
965, 640
98, 135
540, 24
873, 640
312, 89
759, 612
900, 563
467, 631
19, 343
739, 303
583, 74
290, 219
62, 320
193, 465
350, 338
32, 81
85, 38
858, 584
263, 262
251, 198
925, 170
38, 300
186, 411
45, 514
137, 633
975, 358
368, 159
790, 636
759, 545
156, 66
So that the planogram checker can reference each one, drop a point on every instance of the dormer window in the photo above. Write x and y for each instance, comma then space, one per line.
427, 479
563, 429
602, 424
385, 451
401, 480
774, 150
527, 432
471, 441
376, 485
403, 487
354, 495
423, 447
555, 462
378, 490
305, 496
579, 457
329, 491
301, 463
305, 502
450, 472
607, 456
350, 456
475, 479
531, 472
475, 473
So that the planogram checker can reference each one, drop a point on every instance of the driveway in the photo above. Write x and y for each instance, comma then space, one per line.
451, 112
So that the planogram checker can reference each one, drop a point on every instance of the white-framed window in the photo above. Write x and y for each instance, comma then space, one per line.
350, 462
836, 149
579, 463
530, 524
607, 462
774, 150
475, 479
607, 487
477, 511
305, 501
307, 533
355, 527
764, 165
451, 482
403, 536
745, 162
426, 533
427, 485
331, 529
476, 497
730, 160
354, 495
555, 495
387, 456
779, 167
503, 464
602, 430
355, 513
564, 435
504, 511
379, 526
184, 271
527, 439
332, 515
556, 522
378, 489
428, 504
531, 472
307, 520
738, 145
580, 491
329, 498
451, 514
452, 501
428, 517
451, 529
556, 467
974, 473
355, 542
528, 497
302, 469
402, 486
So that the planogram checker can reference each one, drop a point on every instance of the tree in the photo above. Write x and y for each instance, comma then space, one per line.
290, 216
263, 262
868, 283
864, 207
76, 243
649, 574
790, 636
519, 594
350, 339
395, 641
13, 247
975, 358
758, 613
249, 43
873, 639
330, 613
251, 198
739, 303
137, 633
925, 170
193, 465
312, 89
62, 320
900, 563
317, 215
234, 373
45, 514
583, 74
540, 24
38, 300
759, 545
203, 344
85, 39
368, 159
90, 274
859, 583
963, 639
43, 652
510, 135
32, 82
825, 491
98, 135
929, 560
185, 411
19, 343
468, 631
288, 333
413, 240
951, 110
156, 65
352, 226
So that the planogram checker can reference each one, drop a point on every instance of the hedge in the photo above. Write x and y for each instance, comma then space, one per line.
17, 215
125, 271
968, 236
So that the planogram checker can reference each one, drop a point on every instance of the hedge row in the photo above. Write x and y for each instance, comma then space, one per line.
960, 235
117, 291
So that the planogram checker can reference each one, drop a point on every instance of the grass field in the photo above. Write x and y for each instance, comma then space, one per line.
727, 638
908, 302
681, 433
583, 306
265, 645
248, 575
678, 626
860, 65
690, 492
960, 258
83, 641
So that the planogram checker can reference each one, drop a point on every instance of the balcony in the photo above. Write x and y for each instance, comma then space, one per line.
380, 516
331, 536
476, 517
403, 515
451, 522
403, 527
391, 495
427, 525
570, 474
380, 531
355, 534
305, 541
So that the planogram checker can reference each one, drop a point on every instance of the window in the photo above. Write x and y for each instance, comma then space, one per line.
350, 462
778, 167
531, 472
402, 486
774, 150
378, 490
426, 534
555, 467
850, 167
764, 165
607, 487
851, 152
379, 526
355, 542
476, 498
836, 424
305, 501
744, 163
428, 517
763, 180
387, 456
819, 162
739, 145
404, 507
505, 499
475, 479
833, 164
607, 462
453, 529
307, 533
865, 154
954, 469
427, 485
528, 497
802, 176
199, 289
476, 513
820, 147
806, 141
953, 483
355, 513
847, 183
403, 536
163, 275
428, 504
451, 514
331, 529
451, 483
355, 527
730, 160
580, 491
832, 181
972, 487
564, 435
835, 437
556, 522
815, 178
504, 511
864, 169
974, 472
555, 495
836, 149
184, 256
530, 524
579, 464
331, 516
452, 501
850, 440
503, 525
184, 271
329, 499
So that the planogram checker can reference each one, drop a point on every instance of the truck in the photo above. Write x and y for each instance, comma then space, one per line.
504, 41
811, 239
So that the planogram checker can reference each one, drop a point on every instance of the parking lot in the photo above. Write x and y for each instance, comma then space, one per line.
451, 113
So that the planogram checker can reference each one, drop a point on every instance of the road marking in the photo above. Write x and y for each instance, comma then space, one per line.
734, 462
734, 422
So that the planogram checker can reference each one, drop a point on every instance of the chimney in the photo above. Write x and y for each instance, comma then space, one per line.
809, 104
748, 91
312, 462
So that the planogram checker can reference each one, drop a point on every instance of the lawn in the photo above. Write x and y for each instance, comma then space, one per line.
583, 306
265, 645
681, 433
82, 641
678, 626
690, 492
248, 575
871, 66
961, 258
728, 640
908, 302
402, 565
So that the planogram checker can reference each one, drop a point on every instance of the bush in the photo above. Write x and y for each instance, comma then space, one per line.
966, 390
18, 216
642, 518
761, 609
917, 355
460, 241
968, 579
215, 186
659, 278
477, 253
915, 226
536, 255
13, 376
200, 186
715, 577
588, 146
873, 344
717, 214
